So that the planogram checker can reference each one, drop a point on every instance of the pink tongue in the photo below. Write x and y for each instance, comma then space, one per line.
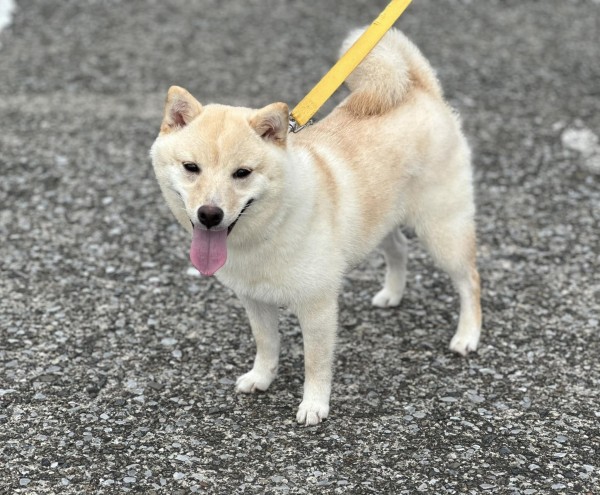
209, 250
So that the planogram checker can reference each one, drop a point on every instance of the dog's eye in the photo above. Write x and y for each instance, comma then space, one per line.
240, 173
191, 167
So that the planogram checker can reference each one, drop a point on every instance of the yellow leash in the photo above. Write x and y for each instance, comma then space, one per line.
310, 104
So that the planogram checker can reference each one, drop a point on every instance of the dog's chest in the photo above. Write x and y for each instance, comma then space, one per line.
281, 280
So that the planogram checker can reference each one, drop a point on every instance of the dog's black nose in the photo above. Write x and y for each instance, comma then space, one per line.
210, 215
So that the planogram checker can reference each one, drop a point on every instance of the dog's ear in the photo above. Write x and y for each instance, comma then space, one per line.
180, 108
271, 123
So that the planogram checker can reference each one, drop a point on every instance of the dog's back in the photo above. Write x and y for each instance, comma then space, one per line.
387, 142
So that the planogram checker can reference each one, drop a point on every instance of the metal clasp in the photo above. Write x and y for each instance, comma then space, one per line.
295, 127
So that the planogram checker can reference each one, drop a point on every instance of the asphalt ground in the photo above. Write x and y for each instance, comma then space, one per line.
117, 362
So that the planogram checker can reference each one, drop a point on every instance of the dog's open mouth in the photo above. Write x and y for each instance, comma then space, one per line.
208, 252
230, 228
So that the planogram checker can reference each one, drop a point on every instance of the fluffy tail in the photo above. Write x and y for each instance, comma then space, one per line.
385, 77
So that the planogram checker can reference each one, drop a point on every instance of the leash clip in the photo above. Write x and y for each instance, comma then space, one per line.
295, 127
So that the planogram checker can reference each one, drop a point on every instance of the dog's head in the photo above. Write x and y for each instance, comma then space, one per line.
216, 166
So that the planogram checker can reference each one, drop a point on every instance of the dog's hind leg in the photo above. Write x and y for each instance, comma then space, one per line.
264, 322
395, 251
452, 244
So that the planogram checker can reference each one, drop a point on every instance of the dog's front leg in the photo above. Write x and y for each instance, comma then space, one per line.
319, 326
264, 322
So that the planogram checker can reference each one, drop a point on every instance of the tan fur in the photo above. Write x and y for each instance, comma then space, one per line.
327, 179
392, 153
385, 78
180, 109
271, 123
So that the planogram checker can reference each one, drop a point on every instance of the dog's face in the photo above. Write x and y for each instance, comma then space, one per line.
215, 163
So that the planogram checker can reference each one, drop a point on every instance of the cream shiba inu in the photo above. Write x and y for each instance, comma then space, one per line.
279, 218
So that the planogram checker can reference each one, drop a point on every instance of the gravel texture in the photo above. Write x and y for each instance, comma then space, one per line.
117, 363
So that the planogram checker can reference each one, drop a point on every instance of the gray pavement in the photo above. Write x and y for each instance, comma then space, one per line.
117, 363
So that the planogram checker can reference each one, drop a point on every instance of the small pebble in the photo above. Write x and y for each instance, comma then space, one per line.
504, 450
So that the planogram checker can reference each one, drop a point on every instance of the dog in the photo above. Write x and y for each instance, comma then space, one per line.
279, 217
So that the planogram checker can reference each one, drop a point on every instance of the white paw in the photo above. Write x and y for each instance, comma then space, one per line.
312, 412
385, 298
464, 343
253, 381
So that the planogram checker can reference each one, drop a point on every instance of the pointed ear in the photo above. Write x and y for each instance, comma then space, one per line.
180, 108
271, 123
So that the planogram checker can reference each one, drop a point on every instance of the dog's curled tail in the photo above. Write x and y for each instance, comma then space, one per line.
386, 76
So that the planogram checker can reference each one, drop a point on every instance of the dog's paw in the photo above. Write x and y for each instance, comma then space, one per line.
385, 298
464, 343
253, 381
312, 412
